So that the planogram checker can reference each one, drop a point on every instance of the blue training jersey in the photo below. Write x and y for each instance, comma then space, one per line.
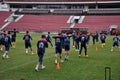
7, 40
103, 37
48, 37
115, 39
3, 37
88, 38
73, 36
58, 41
83, 40
67, 40
13, 34
41, 45
27, 38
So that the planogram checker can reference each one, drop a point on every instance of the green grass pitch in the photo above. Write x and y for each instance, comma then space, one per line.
21, 66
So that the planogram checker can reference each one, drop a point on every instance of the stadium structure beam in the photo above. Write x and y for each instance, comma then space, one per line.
91, 2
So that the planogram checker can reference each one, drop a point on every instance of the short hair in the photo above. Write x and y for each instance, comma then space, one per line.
14, 29
67, 33
48, 32
43, 36
27, 31
116, 34
59, 33
9, 32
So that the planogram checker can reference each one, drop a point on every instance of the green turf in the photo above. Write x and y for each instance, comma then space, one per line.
21, 66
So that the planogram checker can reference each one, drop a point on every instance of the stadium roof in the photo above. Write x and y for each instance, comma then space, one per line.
60, 1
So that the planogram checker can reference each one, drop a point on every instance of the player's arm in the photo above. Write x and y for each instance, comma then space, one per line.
30, 37
113, 39
70, 36
105, 37
37, 44
46, 44
54, 37
24, 38
79, 38
9, 40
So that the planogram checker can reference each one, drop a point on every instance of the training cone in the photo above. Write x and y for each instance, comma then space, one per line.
58, 66
96, 48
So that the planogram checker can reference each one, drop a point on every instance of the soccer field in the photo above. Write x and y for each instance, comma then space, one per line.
21, 66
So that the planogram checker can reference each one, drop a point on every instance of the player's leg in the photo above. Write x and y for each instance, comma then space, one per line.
68, 49
14, 44
56, 55
113, 46
60, 53
73, 42
38, 64
85, 48
103, 43
51, 43
40, 61
80, 50
77, 46
2, 45
7, 47
65, 47
30, 46
118, 46
13, 41
5, 54
26, 47
93, 41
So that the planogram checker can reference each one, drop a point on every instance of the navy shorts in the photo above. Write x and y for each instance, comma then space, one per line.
2, 42
58, 50
13, 39
103, 41
40, 57
27, 44
7, 47
67, 47
115, 44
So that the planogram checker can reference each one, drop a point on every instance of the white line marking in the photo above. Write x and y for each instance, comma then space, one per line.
15, 67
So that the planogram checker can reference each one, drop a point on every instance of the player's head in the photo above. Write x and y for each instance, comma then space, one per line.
116, 34
9, 32
48, 32
27, 32
43, 36
59, 34
67, 33
4, 32
14, 29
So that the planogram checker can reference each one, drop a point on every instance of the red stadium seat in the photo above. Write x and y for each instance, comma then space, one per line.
99, 23
3, 15
40, 23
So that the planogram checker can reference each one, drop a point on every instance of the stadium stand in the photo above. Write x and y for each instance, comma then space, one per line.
70, 11
3, 16
50, 11
67, 11
39, 23
99, 23
46, 15
58, 0
32, 11
103, 11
